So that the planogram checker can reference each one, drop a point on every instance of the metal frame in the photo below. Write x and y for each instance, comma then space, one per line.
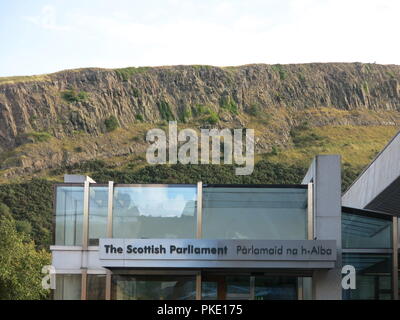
310, 211
395, 259
84, 284
266, 186
110, 209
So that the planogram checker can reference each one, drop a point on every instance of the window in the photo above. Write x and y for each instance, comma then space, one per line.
254, 213
373, 276
130, 287
98, 212
68, 287
154, 212
96, 287
69, 216
363, 232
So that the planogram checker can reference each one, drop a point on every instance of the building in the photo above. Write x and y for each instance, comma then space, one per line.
116, 241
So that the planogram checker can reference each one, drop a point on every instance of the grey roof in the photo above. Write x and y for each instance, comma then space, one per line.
378, 186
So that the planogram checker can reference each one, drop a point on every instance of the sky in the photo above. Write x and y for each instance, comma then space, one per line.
39, 36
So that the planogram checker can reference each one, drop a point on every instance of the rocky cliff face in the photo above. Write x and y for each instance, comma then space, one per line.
67, 102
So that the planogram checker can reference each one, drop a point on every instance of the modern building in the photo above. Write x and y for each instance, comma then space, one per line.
117, 241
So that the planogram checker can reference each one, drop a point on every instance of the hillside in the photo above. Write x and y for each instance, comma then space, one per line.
51, 122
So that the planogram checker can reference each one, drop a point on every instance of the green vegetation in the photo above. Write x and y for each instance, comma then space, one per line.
111, 123
185, 115
139, 117
72, 95
301, 78
35, 136
165, 111
229, 104
212, 118
20, 264
254, 110
302, 137
126, 73
136, 92
264, 172
15, 79
281, 70
30, 201
205, 113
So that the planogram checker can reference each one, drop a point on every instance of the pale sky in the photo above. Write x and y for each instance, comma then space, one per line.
38, 36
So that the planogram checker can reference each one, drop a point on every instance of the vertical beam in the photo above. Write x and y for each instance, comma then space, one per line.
252, 287
325, 173
198, 286
310, 212
108, 285
300, 295
110, 209
109, 233
199, 231
84, 285
85, 224
395, 271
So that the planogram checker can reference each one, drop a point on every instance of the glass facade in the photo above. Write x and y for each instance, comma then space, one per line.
98, 212
69, 215
154, 212
228, 212
373, 276
68, 287
247, 287
255, 213
367, 244
276, 288
96, 287
363, 232
157, 287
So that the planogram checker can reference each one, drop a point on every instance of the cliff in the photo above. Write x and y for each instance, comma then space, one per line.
85, 105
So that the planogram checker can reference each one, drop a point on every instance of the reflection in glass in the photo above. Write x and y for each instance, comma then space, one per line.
361, 232
129, 287
209, 290
238, 287
98, 211
68, 287
69, 216
96, 287
373, 276
154, 212
255, 213
275, 288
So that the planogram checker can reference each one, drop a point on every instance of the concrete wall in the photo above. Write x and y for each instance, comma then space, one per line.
325, 174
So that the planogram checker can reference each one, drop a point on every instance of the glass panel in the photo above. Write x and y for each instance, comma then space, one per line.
360, 232
154, 212
128, 287
373, 276
68, 287
307, 288
96, 287
255, 213
209, 290
98, 211
69, 215
238, 287
275, 288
